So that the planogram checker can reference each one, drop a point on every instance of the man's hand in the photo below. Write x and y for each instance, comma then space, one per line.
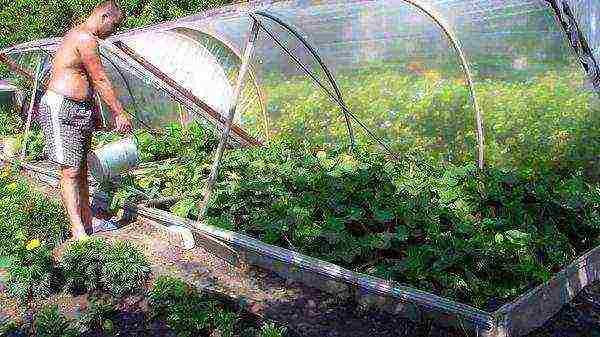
123, 123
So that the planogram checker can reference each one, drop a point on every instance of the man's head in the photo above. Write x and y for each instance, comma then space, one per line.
105, 19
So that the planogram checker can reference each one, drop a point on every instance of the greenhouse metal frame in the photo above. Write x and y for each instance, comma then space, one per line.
229, 30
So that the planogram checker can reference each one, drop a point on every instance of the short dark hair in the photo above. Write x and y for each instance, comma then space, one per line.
109, 7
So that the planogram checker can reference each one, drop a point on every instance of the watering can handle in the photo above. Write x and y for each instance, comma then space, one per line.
153, 132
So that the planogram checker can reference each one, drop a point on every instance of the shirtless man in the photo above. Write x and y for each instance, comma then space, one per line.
68, 113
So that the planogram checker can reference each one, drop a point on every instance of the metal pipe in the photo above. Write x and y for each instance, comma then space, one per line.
36, 81
314, 53
212, 178
578, 42
329, 93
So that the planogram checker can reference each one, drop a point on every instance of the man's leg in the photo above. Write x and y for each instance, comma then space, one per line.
70, 187
86, 210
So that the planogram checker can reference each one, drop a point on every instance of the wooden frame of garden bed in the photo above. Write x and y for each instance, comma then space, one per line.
526, 313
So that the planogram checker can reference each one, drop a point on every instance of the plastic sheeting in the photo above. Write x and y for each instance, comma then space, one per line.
386, 72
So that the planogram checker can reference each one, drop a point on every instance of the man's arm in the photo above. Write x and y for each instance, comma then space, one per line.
90, 57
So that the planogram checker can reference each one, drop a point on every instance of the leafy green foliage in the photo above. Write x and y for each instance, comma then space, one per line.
126, 270
49, 322
272, 330
479, 237
30, 20
82, 264
31, 274
97, 266
12, 125
176, 141
543, 120
99, 315
186, 311
27, 215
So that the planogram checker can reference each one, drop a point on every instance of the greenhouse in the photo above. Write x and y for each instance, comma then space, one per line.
411, 138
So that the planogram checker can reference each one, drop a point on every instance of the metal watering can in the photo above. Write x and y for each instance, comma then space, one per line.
113, 159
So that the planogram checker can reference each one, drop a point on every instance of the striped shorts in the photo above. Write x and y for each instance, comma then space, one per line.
68, 127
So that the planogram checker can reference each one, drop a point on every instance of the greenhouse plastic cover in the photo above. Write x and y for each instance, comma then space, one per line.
436, 78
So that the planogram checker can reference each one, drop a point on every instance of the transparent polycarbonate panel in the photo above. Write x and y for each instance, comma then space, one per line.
167, 90
190, 63
300, 97
232, 30
531, 89
353, 33
149, 106
28, 61
205, 66
250, 112
587, 14
397, 72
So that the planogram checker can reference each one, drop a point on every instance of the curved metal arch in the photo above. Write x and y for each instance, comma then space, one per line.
450, 35
445, 27
321, 63
227, 44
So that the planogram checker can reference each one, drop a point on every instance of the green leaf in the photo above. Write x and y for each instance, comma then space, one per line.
384, 216
499, 238
184, 207
402, 233
6, 261
517, 237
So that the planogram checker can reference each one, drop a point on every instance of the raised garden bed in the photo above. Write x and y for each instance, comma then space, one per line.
401, 300
477, 238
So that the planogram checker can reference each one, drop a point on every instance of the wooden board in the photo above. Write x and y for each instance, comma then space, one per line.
404, 301
517, 318
535, 307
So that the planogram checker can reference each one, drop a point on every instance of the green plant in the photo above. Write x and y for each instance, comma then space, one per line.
21, 22
179, 305
35, 144
10, 123
125, 271
26, 214
49, 322
99, 315
31, 274
186, 311
433, 227
97, 266
10, 327
82, 264
271, 329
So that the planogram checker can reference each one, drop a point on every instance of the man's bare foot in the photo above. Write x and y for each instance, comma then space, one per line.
79, 234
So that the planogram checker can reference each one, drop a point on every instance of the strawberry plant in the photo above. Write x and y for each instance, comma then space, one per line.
478, 237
